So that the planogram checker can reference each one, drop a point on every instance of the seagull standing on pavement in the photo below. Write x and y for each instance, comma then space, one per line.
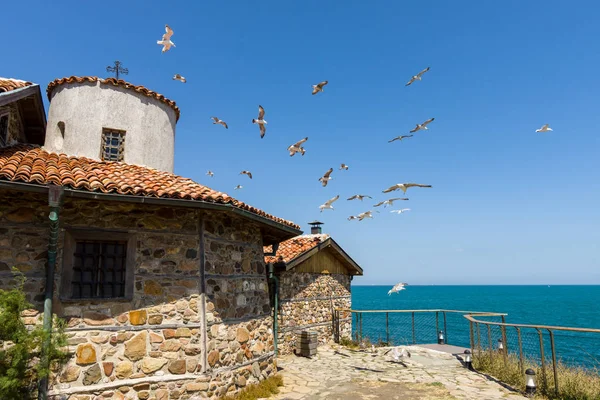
359, 197
166, 39
328, 203
545, 128
389, 202
219, 121
260, 121
404, 186
400, 138
422, 126
417, 77
397, 288
398, 353
318, 87
325, 178
297, 147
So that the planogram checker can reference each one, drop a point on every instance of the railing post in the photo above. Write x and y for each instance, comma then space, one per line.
521, 364
504, 342
387, 328
445, 330
437, 325
478, 338
543, 359
471, 337
361, 330
489, 328
413, 328
554, 368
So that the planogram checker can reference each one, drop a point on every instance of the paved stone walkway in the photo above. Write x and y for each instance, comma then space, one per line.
337, 373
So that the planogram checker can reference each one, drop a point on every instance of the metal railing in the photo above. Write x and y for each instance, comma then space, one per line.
408, 326
538, 346
487, 334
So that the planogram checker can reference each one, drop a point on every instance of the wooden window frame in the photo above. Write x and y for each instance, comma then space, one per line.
68, 261
121, 149
4, 135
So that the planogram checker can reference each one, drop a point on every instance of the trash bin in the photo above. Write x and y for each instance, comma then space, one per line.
306, 344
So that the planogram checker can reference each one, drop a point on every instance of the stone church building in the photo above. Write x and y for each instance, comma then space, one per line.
314, 275
162, 281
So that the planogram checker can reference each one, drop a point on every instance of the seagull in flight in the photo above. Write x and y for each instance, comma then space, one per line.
210, 173
422, 126
319, 87
238, 187
260, 120
219, 121
404, 186
544, 128
400, 211
366, 214
400, 138
417, 77
179, 78
397, 288
325, 178
328, 203
246, 173
297, 147
389, 202
398, 353
359, 197
166, 39
344, 167
350, 218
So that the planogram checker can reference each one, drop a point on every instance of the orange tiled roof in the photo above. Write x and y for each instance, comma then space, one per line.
8, 84
293, 247
31, 164
112, 81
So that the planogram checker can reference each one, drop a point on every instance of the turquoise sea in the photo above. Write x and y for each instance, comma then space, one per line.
570, 306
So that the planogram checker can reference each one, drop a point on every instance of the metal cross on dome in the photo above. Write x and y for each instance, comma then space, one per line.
118, 69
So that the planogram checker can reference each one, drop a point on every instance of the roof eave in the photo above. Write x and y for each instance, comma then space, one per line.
277, 231
329, 242
17, 94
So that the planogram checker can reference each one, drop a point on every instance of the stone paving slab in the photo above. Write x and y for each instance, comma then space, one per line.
338, 373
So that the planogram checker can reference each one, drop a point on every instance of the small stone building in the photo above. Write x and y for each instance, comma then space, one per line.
314, 280
161, 280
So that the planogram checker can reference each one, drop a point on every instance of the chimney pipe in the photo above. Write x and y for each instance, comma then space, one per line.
315, 227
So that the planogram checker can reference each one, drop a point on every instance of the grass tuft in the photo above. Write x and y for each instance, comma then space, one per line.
574, 383
263, 389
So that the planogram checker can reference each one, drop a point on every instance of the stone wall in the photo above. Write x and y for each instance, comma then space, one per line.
306, 301
169, 340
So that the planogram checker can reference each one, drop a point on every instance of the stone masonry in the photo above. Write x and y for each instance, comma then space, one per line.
306, 302
170, 340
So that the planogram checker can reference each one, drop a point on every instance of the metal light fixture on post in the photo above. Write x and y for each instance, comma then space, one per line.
468, 360
441, 337
530, 387
500, 345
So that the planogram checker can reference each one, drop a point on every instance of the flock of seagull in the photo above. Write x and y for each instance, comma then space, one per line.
298, 147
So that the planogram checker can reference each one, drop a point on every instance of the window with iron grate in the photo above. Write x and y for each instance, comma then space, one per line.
97, 265
3, 129
113, 145
99, 269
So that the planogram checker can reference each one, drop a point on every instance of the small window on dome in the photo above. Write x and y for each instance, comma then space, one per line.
3, 129
113, 145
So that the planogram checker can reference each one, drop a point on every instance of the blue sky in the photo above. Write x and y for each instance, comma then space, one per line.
508, 205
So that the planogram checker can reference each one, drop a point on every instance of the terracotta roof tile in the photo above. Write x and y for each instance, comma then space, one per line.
292, 248
8, 84
31, 164
112, 81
